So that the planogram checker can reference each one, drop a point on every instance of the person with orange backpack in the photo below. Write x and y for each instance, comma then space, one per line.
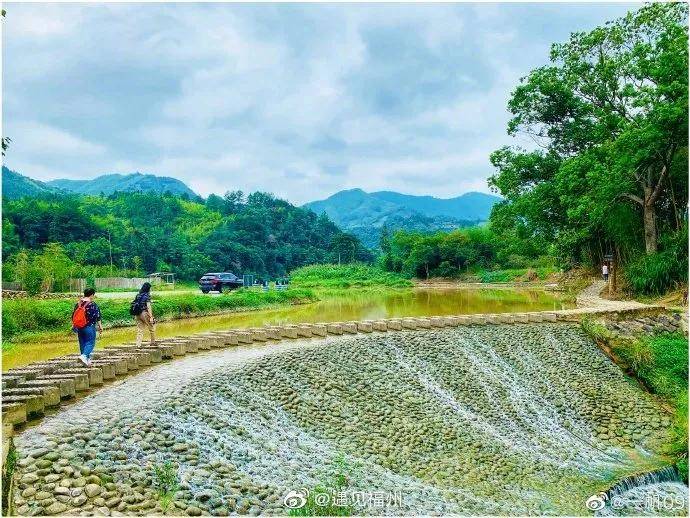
86, 317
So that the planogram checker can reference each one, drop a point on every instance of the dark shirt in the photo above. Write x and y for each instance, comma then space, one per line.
93, 312
142, 299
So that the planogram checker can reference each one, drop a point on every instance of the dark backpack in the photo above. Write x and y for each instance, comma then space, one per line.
136, 307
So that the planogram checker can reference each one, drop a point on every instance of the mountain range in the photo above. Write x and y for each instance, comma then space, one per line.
15, 185
365, 214
356, 211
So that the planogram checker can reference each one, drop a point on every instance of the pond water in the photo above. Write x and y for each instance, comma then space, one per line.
521, 419
356, 305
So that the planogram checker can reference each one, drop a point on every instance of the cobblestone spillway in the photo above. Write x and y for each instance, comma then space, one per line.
519, 419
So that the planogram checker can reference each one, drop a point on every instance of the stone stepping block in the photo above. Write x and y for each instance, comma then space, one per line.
455, 321
224, 339
258, 335
379, 325
423, 323
319, 330
81, 381
27, 373
409, 323
364, 327
505, 318
334, 329
240, 336
154, 352
182, 347
110, 368
349, 327
9, 381
95, 374
14, 413
33, 403
550, 317
521, 318
305, 331
287, 331
272, 332
478, 320
211, 340
130, 360
535, 317
394, 324
65, 386
51, 394
438, 321
492, 319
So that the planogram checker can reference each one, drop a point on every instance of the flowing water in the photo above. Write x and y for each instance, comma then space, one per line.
520, 419
356, 305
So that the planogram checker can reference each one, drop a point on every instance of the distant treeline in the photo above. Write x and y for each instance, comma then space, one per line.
141, 233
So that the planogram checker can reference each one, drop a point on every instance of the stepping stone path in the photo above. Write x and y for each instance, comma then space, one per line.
28, 391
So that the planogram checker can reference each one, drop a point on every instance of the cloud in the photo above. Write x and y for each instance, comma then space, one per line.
301, 100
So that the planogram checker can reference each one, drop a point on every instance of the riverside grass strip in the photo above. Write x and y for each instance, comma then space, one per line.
46, 383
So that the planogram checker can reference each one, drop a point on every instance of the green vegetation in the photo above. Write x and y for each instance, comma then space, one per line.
50, 239
477, 250
321, 501
167, 482
660, 362
25, 316
333, 276
8, 473
610, 115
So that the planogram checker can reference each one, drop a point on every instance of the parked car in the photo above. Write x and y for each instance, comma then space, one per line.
224, 281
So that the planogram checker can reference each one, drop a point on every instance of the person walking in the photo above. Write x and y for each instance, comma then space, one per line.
605, 272
86, 318
143, 314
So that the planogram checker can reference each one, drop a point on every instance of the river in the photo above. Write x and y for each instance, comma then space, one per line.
355, 305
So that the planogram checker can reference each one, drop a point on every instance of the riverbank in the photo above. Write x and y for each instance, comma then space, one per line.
328, 306
658, 359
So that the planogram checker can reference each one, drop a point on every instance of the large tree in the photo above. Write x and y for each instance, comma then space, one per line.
611, 114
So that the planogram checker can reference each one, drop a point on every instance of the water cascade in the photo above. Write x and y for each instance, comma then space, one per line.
521, 419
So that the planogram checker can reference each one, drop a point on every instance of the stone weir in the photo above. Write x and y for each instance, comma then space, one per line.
29, 392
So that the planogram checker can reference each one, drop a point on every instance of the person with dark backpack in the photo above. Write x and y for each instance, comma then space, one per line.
140, 309
86, 317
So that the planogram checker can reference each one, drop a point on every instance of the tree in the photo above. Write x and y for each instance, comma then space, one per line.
611, 114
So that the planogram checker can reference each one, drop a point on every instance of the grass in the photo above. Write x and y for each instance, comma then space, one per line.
26, 317
167, 482
660, 362
10, 465
512, 274
320, 501
333, 276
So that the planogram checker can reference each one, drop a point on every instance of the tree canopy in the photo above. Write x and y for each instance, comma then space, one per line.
609, 117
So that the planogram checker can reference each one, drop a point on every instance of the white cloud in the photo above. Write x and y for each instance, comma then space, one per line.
300, 100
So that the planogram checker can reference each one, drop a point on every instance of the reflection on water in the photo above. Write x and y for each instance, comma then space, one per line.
353, 306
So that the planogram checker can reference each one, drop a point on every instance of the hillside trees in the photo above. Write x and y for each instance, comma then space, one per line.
255, 234
609, 116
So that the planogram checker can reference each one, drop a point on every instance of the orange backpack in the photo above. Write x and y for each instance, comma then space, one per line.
79, 316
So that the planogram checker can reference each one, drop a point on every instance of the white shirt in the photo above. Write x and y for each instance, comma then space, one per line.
605, 269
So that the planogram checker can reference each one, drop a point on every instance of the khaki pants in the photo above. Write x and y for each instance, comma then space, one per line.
143, 323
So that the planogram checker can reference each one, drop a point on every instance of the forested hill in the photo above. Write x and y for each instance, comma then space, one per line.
135, 182
366, 214
16, 185
255, 234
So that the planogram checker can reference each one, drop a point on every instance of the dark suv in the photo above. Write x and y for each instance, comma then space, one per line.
220, 282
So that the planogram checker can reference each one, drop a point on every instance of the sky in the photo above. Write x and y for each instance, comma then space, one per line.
301, 100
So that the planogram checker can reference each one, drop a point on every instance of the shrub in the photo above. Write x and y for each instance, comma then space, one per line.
346, 276
657, 273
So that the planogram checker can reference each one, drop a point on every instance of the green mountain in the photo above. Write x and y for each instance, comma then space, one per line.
15, 185
364, 214
135, 182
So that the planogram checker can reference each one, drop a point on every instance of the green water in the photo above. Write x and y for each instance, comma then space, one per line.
355, 305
